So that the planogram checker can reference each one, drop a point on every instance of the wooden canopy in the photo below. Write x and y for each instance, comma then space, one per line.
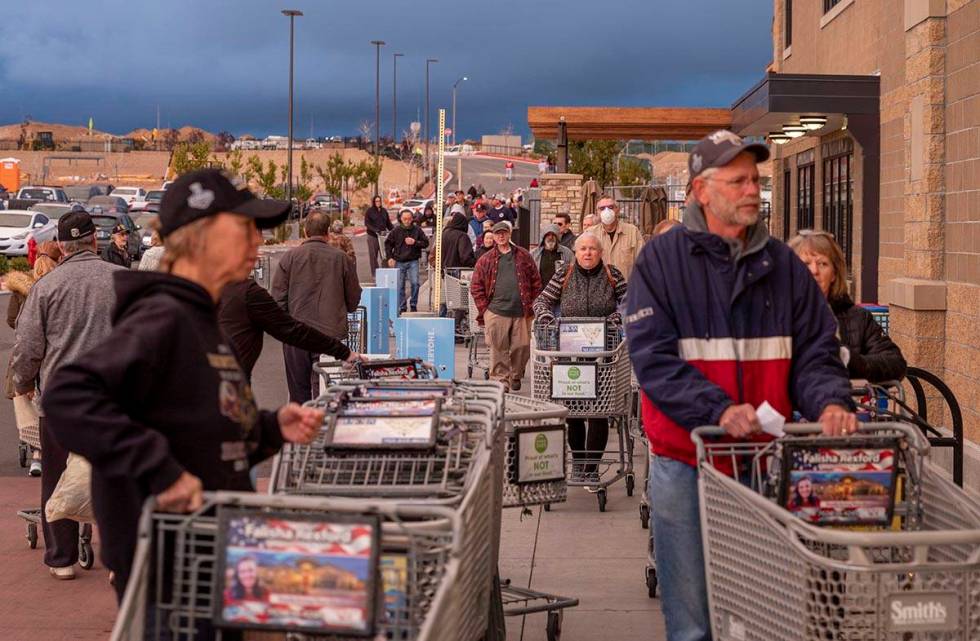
626, 123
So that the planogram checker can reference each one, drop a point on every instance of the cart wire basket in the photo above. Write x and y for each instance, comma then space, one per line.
356, 336
176, 604
524, 412
457, 287
771, 575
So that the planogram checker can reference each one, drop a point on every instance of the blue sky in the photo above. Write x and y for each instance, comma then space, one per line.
222, 64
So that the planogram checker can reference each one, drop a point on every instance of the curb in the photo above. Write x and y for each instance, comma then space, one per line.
511, 158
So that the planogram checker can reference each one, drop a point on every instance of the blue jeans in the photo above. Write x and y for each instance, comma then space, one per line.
676, 527
411, 269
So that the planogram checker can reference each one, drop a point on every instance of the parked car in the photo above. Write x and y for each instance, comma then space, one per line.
81, 193
416, 206
105, 221
109, 204
41, 194
142, 221
17, 225
49, 231
132, 195
327, 203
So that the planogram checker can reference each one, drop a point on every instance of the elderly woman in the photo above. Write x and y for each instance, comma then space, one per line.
867, 351
162, 408
584, 288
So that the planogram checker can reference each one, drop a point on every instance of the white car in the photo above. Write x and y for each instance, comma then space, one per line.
134, 196
45, 194
460, 150
416, 206
16, 225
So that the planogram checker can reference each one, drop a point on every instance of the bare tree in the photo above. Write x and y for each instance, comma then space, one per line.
366, 128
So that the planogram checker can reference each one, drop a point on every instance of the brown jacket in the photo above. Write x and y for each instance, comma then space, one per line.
317, 284
344, 244
623, 250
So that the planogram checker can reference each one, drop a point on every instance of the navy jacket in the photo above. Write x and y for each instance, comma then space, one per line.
711, 323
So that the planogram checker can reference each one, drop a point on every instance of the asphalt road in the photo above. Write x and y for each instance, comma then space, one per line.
490, 173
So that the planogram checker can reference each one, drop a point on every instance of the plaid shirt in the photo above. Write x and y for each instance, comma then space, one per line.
485, 278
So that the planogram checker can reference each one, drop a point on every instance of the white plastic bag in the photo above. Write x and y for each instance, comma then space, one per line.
72, 497
25, 416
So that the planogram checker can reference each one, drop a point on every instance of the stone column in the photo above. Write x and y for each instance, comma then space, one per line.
560, 194
918, 301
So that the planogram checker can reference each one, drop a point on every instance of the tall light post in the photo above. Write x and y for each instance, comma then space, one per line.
377, 95
455, 84
292, 13
394, 96
428, 61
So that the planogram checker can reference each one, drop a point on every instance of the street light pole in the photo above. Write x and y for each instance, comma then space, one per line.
427, 62
394, 96
292, 13
377, 107
458, 80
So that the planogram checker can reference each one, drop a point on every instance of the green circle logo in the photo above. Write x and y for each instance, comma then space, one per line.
574, 373
541, 443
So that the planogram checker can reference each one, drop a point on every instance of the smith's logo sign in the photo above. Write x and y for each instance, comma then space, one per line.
923, 612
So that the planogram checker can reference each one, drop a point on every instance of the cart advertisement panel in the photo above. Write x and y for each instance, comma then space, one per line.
850, 485
540, 454
312, 573
573, 380
581, 336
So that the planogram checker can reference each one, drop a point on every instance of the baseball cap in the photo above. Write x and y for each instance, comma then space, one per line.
207, 192
75, 225
717, 149
119, 228
457, 209
503, 225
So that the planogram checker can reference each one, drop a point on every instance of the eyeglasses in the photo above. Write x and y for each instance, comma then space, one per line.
738, 183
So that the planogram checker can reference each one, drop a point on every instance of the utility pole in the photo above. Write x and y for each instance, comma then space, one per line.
292, 13
455, 84
394, 97
377, 107
427, 63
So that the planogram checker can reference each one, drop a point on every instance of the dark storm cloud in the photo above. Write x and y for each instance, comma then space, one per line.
222, 64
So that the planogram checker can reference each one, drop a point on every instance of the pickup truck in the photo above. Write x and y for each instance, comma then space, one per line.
43, 194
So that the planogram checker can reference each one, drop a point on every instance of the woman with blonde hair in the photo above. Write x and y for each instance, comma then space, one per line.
867, 351
19, 285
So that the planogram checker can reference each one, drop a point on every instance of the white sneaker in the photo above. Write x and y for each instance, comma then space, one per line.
35, 468
63, 574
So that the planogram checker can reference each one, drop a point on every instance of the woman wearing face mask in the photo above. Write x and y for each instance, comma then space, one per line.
585, 287
485, 242
867, 351
549, 254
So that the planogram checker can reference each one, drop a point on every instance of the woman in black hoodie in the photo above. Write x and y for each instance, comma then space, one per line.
867, 351
376, 221
162, 407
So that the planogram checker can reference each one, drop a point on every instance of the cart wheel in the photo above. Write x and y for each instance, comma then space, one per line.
547, 507
486, 375
652, 583
22, 454
554, 625
630, 484
644, 516
469, 372
32, 535
601, 495
86, 557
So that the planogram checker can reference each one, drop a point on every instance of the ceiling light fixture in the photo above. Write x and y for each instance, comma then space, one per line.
794, 130
812, 123
778, 138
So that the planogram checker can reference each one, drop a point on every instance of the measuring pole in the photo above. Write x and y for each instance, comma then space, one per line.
440, 170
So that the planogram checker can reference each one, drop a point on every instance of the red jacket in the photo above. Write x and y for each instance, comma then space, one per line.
485, 277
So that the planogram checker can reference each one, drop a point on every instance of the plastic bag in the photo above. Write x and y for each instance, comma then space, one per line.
72, 497
25, 416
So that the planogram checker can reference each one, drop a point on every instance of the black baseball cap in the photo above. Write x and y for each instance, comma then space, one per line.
119, 228
719, 148
207, 192
75, 225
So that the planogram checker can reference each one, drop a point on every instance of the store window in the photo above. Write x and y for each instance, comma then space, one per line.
829, 4
788, 25
786, 204
838, 193
804, 190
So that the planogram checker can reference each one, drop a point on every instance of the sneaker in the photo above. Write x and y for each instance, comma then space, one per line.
35, 468
63, 574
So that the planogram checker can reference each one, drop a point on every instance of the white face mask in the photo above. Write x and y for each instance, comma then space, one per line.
607, 216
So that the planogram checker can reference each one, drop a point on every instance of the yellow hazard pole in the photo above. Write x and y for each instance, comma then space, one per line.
437, 292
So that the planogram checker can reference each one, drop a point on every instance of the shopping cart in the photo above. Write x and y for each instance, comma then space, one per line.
638, 435
86, 556
356, 334
173, 587
772, 575
262, 272
477, 350
535, 478
601, 390
460, 472
28, 430
456, 285
334, 372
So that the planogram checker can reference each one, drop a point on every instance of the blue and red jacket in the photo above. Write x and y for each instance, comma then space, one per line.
711, 323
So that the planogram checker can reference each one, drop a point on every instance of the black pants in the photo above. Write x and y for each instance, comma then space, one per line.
300, 378
374, 247
60, 537
588, 448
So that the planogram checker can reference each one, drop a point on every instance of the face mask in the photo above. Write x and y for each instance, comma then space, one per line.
550, 244
607, 216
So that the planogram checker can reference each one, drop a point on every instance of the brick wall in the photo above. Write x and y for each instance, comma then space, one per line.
561, 194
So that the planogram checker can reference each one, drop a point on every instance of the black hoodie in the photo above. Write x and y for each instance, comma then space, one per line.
457, 250
161, 395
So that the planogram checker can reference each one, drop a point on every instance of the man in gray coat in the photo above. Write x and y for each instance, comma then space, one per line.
550, 252
317, 285
67, 314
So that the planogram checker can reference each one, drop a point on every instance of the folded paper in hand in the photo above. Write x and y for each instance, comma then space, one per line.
772, 421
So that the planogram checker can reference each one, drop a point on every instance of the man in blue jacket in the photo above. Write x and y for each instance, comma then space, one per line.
720, 318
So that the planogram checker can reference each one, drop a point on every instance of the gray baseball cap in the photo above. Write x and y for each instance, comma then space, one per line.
719, 148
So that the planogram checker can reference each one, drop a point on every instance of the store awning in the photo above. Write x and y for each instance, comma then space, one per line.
628, 123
